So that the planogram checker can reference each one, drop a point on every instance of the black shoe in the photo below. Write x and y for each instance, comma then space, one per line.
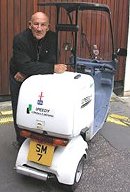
21, 140
16, 144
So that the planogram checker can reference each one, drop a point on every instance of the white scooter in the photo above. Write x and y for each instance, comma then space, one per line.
59, 113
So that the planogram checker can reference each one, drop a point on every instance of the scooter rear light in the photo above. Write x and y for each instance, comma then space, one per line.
26, 134
60, 142
44, 138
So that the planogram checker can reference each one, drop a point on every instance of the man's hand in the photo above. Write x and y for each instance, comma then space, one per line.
60, 68
19, 77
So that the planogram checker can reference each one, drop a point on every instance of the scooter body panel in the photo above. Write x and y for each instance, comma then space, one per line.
64, 163
65, 106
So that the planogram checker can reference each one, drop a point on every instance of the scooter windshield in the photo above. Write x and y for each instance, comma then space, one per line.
84, 30
95, 40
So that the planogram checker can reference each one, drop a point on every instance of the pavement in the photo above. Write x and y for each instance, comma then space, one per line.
119, 115
107, 168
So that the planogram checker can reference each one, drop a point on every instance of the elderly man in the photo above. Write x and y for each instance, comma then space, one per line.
34, 52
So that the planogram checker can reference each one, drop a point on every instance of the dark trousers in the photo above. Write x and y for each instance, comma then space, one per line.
14, 90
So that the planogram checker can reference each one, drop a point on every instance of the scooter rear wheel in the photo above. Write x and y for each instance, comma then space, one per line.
78, 175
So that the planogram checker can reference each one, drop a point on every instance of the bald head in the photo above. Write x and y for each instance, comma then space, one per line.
40, 15
39, 24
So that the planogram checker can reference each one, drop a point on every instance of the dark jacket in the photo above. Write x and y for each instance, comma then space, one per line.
32, 56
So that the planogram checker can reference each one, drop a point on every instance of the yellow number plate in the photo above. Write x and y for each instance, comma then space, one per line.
41, 153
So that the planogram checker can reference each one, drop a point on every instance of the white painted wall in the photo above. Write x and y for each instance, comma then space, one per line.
127, 69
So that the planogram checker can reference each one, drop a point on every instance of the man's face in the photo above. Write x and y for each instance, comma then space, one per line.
39, 25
